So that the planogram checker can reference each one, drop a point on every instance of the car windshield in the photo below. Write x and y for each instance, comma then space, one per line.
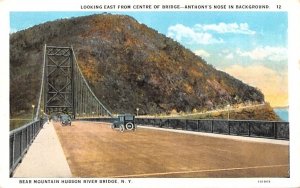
130, 118
65, 117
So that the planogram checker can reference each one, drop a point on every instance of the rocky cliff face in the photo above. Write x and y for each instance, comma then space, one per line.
128, 65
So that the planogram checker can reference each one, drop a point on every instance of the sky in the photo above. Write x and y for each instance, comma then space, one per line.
251, 46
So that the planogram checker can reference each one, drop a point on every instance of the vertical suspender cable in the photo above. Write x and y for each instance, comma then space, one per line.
42, 85
89, 89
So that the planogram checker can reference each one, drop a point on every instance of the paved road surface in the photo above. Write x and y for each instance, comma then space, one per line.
95, 150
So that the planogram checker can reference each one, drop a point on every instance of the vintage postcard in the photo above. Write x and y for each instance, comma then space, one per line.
150, 94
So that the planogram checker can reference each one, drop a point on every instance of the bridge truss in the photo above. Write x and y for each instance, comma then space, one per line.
64, 88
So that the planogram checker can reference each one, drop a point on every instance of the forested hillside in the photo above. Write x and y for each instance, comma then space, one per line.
127, 64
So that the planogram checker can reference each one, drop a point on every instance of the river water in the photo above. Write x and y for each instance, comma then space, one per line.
283, 113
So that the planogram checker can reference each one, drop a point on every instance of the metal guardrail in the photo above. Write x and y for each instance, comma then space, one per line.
250, 128
19, 141
102, 119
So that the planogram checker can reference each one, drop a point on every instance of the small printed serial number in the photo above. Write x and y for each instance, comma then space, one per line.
264, 181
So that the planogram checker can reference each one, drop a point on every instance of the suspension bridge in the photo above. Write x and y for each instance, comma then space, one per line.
64, 87
91, 149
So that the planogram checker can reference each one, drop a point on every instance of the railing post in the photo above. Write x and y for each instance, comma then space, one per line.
24, 139
198, 125
238, 130
21, 143
212, 126
31, 133
249, 129
28, 136
275, 129
13, 149
168, 123
288, 130
228, 127
35, 129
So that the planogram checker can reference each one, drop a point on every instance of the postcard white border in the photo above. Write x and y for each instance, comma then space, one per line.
291, 6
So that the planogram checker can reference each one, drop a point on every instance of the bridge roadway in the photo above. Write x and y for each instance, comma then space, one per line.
95, 150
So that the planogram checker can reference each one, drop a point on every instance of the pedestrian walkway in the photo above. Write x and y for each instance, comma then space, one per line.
45, 157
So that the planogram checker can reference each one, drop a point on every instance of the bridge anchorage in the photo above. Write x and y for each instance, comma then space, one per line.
64, 88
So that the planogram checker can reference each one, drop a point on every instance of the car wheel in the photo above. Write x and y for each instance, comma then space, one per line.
121, 128
129, 126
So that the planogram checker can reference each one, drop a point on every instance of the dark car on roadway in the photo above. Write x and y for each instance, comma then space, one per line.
65, 119
124, 122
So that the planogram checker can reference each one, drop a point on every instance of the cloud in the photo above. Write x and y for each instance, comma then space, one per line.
202, 33
273, 84
265, 53
183, 33
229, 56
226, 54
242, 28
202, 53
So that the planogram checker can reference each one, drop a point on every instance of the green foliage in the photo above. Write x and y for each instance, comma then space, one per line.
127, 64
264, 112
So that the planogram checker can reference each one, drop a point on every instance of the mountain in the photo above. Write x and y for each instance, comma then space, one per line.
127, 64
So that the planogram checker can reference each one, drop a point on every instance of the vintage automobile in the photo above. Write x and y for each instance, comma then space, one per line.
65, 119
124, 122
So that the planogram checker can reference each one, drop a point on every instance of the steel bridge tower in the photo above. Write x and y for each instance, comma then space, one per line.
59, 83
64, 87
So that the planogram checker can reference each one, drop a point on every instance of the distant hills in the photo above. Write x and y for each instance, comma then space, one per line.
281, 107
127, 64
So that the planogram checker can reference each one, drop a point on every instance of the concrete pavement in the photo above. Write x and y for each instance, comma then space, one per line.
45, 157
94, 150
225, 136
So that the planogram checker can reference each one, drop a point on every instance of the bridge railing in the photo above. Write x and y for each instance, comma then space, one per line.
100, 119
19, 141
250, 128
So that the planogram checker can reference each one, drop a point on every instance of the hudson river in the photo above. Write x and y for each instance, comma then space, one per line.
283, 113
